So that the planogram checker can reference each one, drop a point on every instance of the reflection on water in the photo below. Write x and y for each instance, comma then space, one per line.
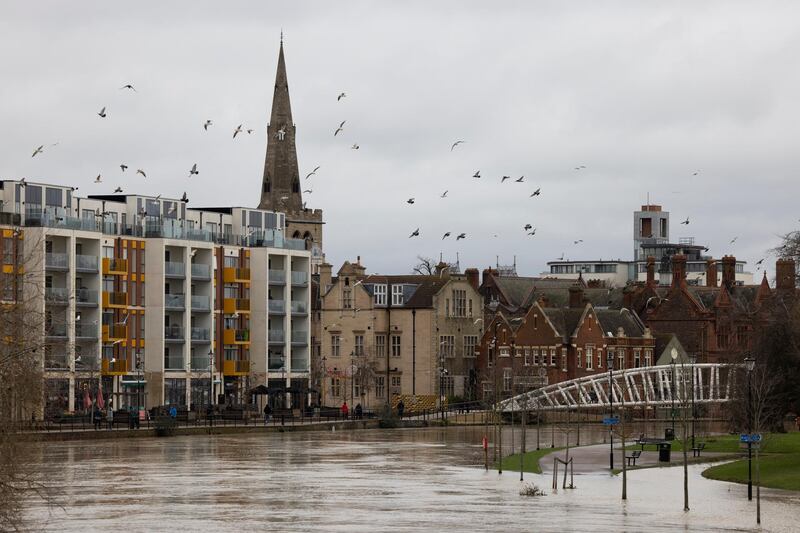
399, 480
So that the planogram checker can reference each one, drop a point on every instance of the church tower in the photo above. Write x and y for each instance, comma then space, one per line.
281, 187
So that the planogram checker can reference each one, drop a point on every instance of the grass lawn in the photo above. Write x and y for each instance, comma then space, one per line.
530, 463
778, 471
772, 443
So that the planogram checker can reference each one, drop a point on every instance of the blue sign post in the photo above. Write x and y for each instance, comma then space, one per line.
611, 421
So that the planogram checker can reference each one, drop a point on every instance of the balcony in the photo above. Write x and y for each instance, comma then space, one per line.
201, 335
56, 362
236, 336
238, 367
58, 331
86, 331
85, 298
276, 362
115, 267
277, 277
173, 333
114, 367
300, 278
299, 363
174, 270
236, 275
299, 308
201, 363
201, 272
56, 295
235, 305
174, 362
115, 300
175, 302
201, 303
276, 336
116, 332
277, 307
300, 337
56, 261
86, 263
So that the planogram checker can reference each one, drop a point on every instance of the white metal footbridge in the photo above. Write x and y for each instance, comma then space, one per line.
650, 386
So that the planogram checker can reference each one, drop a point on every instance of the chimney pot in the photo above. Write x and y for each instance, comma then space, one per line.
678, 269
729, 271
711, 273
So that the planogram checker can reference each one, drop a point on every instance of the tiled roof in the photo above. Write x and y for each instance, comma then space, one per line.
419, 291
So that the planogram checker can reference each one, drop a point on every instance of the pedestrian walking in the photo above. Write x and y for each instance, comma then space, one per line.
400, 408
358, 411
345, 410
267, 414
110, 416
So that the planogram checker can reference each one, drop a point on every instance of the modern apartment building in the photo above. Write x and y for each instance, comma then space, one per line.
161, 303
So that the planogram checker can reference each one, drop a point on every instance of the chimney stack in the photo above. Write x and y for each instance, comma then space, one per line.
711, 273
575, 297
324, 277
729, 271
473, 277
488, 272
651, 270
678, 269
785, 274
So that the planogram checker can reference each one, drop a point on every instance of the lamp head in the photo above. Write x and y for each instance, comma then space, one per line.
749, 363
674, 353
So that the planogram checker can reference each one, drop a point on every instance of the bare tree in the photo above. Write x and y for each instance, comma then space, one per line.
425, 267
762, 384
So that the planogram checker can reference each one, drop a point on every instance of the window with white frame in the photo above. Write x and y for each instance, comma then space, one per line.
447, 345
448, 386
527, 356
589, 356
335, 345
470, 343
552, 357
648, 358
599, 358
397, 295
620, 359
563, 359
347, 299
506, 379
380, 386
336, 387
610, 357
504, 352
535, 356
459, 303
396, 384
380, 345
395, 345
579, 357
379, 290
637, 358
358, 343
469, 308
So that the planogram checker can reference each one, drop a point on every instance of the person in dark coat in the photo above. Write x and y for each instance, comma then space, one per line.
267, 414
358, 411
400, 408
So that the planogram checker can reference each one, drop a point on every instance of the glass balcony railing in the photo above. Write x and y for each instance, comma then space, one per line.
201, 303
201, 363
56, 362
299, 363
86, 331
56, 330
174, 301
201, 334
236, 336
86, 297
299, 308
115, 299
173, 333
173, 362
276, 362
277, 277
86, 263
277, 306
299, 278
56, 261
56, 295
115, 266
200, 271
276, 335
174, 270
299, 336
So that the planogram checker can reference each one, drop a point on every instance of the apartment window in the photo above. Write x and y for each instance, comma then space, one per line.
358, 342
396, 383
527, 360
610, 357
380, 293
395, 345
336, 387
447, 345
335, 345
459, 303
380, 345
535, 356
648, 358
637, 358
621, 359
518, 352
589, 356
504, 352
563, 359
578, 358
506, 379
599, 358
552, 357
397, 295
347, 298
380, 386
469, 308
470, 342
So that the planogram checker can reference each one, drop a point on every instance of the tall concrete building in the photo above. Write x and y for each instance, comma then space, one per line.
281, 188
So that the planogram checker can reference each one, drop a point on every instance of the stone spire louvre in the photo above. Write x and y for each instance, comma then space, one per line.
280, 188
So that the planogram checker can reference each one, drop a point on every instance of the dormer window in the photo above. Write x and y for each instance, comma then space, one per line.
397, 295
379, 290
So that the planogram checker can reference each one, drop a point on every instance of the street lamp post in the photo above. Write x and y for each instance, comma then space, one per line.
322, 381
692, 361
610, 360
749, 365
674, 355
210, 387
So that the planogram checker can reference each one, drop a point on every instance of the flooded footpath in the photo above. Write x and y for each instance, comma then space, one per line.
429, 479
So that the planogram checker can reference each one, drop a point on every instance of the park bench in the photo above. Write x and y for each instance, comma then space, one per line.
696, 449
633, 456
643, 441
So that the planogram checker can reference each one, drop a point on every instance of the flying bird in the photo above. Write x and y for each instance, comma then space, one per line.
312, 173
461, 236
695, 173
184, 198
578, 241
340, 128
446, 235
39, 150
504, 178
207, 124
102, 113
686, 222
342, 95
237, 131
118, 189
537, 192
520, 179
98, 179
455, 144
527, 227
309, 191
759, 261
562, 257
355, 147
477, 174
140, 171
532, 232
128, 86
193, 171
734, 240
444, 194
414, 233
580, 167
251, 130
410, 201
123, 167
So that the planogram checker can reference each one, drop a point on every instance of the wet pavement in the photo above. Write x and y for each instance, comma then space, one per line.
428, 479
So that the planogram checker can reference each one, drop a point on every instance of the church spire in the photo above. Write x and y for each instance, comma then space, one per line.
280, 188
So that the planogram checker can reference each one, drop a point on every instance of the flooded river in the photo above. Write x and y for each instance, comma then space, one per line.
375, 480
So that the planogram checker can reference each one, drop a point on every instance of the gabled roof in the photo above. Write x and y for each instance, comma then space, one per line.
419, 290
612, 319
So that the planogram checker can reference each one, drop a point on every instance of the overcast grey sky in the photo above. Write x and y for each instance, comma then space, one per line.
641, 93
